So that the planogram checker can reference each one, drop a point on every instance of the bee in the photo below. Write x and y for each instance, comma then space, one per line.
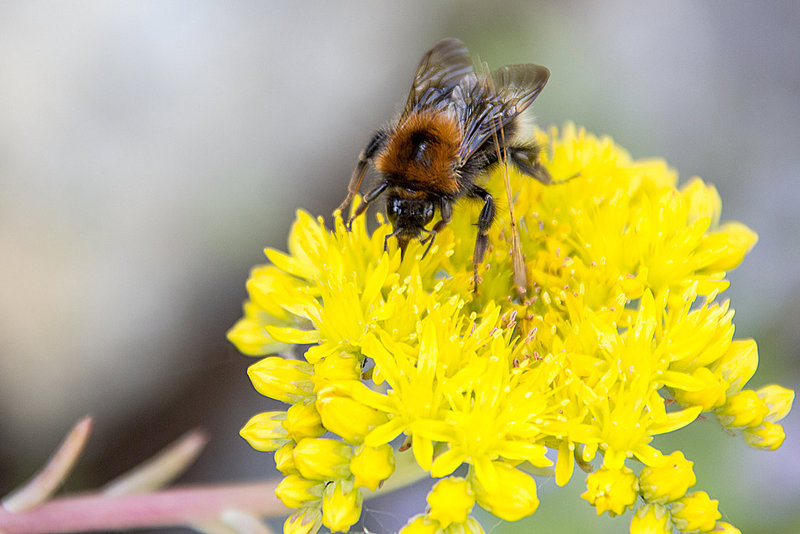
456, 125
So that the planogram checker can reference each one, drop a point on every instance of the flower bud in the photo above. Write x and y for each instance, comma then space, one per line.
738, 364
651, 519
471, 526
744, 409
249, 336
695, 511
346, 417
450, 501
702, 200
516, 497
295, 491
322, 458
612, 490
336, 368
710, 396
284, 461
285, 380
727, 246
305, 521
420, 524
372, 465
725, 528
779, 401
669, 481
264, 431
766, 436
341, 505
303, 421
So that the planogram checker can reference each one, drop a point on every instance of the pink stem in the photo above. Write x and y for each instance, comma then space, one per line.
179, 506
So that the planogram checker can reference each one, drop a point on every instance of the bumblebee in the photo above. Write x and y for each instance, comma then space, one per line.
455, 126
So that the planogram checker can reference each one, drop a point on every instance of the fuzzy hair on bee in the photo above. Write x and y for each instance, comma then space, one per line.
455, 126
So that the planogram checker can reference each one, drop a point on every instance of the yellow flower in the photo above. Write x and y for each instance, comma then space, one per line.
621, 334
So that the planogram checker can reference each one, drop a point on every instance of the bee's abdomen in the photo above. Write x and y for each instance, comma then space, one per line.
422, 153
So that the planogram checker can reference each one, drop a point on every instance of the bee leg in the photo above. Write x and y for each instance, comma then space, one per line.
386, 243
485, 220
365, 202
361, 167
447, 212
526, 157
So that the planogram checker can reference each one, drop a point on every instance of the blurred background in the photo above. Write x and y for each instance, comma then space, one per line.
149, 151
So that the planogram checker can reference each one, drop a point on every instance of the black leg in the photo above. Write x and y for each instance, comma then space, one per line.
365, 202
386, 243
361, 167
447, 212
526, 157
485, 220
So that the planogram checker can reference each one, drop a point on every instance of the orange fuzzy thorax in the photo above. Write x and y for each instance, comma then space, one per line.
423, 152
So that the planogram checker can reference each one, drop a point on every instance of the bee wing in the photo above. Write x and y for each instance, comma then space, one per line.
439, 71
485, 105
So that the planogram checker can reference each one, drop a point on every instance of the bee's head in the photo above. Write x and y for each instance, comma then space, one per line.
408, 217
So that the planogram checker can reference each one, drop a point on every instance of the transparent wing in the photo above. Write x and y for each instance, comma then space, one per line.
439, 71
519, 85
485, 104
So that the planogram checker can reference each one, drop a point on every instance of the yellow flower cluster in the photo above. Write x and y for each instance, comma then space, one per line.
620, 336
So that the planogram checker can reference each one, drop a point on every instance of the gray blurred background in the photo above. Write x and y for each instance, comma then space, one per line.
150, 150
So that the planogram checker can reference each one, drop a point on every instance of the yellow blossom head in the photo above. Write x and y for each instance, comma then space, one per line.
621, 334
